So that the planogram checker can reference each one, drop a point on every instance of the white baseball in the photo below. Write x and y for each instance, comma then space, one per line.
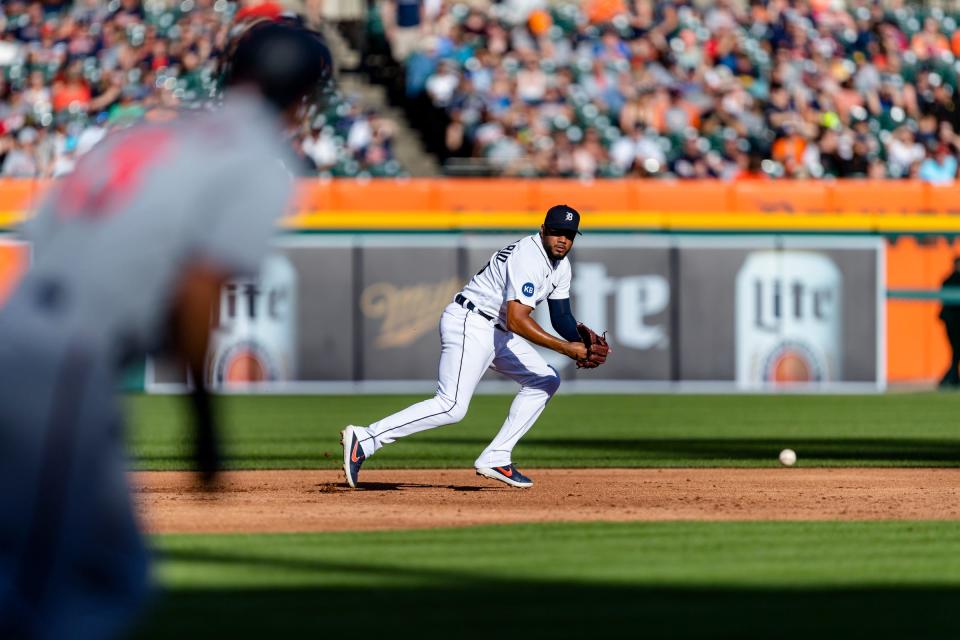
788, 457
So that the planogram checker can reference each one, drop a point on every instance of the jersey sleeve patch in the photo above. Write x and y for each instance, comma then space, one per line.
528, 289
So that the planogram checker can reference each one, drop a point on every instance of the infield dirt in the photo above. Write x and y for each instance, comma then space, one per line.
301, 501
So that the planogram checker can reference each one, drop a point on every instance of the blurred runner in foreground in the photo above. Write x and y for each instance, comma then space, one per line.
130, 251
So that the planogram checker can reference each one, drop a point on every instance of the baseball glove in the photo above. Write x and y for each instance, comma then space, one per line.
597, 347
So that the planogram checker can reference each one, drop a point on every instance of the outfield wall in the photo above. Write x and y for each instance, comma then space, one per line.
737, 312
917, 221
463, 204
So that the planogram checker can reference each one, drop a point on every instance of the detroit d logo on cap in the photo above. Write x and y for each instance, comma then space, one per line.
569, 216
528, 289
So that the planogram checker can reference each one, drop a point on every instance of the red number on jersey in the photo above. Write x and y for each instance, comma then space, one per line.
98, 191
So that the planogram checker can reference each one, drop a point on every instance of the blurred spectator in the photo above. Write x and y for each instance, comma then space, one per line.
21, 161
638, 153
940, 167
903, 152
442, 84
929, 42
402, 20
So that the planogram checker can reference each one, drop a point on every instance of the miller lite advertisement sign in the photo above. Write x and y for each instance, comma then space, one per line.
255, 328
788, 319
765, 312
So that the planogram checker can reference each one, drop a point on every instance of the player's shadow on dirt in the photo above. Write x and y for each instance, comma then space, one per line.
337, 487
638, 451
435, 602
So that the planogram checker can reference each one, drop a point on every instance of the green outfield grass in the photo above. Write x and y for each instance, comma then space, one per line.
578, 431
645, 580
638, 580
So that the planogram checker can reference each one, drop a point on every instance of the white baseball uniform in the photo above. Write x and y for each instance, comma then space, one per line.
473, 338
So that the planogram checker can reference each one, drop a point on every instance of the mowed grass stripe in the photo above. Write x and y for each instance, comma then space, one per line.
761, 579
651, 553
270, 432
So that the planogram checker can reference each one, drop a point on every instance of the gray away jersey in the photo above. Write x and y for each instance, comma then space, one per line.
111, 239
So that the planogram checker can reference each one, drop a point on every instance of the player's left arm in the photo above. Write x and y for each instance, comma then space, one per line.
561, 315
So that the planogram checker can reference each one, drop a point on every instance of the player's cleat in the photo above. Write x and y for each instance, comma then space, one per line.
353, 455
508, 474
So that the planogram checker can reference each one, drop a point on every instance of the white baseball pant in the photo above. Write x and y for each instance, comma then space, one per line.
469, 345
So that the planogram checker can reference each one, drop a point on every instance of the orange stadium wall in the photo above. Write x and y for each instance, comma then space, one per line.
464, 194
918, 219
917, 348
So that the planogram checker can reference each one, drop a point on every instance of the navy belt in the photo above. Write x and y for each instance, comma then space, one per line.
469, 306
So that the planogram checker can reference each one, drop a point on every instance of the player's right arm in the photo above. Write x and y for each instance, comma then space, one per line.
521, 322
230, 239
198, 290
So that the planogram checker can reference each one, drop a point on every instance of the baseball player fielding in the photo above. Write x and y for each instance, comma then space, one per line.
489, 325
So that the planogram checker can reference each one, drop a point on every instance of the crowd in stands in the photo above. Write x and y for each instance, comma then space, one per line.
727, 89
72, 70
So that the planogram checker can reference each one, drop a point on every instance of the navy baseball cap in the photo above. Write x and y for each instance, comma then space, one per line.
563, 217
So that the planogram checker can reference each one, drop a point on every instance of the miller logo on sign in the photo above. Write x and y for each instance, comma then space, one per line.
253, 340
788, 319
407, 312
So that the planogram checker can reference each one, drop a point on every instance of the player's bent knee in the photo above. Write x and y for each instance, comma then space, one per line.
550, 383
457, 412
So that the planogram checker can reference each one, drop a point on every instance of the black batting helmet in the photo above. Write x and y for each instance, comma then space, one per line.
286, 62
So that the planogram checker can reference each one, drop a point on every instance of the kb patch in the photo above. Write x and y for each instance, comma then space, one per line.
528, 289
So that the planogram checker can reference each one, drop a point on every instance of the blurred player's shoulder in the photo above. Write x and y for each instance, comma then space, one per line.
239, 134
